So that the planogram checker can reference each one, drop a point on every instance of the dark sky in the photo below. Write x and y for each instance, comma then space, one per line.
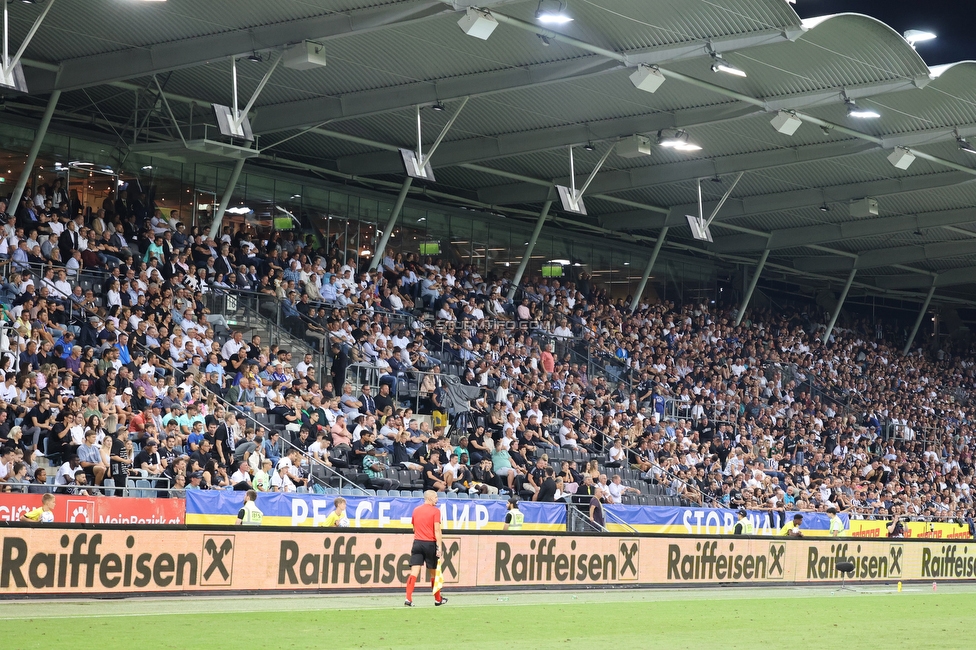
952, 21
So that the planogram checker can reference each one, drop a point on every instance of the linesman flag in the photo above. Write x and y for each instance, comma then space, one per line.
438, 578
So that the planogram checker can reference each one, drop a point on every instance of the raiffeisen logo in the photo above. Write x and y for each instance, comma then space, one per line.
824, 567
952, 561
710, 562
83, 565
545, 562
346, 563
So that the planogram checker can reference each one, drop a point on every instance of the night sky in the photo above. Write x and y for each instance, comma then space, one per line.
952, 21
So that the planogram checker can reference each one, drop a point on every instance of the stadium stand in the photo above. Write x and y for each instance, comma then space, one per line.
435, 381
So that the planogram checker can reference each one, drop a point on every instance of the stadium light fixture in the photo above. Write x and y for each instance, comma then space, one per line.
914, 36
965, 146
647, 78
719, 64
677, 141
785, 122
901, 158
477, 23
824, 207
552, 12
853, 110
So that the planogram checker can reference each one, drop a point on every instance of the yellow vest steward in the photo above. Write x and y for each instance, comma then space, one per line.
252, 515
517, 519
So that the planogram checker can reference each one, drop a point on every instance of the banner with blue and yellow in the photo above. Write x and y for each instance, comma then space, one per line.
221, 507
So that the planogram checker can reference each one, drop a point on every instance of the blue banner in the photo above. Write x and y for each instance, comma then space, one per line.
709, 521
222, 506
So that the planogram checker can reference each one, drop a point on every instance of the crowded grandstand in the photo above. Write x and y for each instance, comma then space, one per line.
123, 369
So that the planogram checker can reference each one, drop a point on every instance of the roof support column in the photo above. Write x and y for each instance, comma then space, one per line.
524, 264
921, 315
391, 224
18, 194
648, 269
752, 287
225, 200
840, 303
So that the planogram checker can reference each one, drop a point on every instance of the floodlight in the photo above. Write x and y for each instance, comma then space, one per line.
552, 12
965, 146
914, 36
678, 141
719, 64
861, 113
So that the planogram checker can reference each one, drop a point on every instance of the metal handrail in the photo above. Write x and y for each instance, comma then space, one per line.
312, 459
617, 520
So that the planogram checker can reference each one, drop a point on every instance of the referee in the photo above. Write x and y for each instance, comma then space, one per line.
426, 545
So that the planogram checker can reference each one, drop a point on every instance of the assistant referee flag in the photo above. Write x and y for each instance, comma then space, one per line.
438, 582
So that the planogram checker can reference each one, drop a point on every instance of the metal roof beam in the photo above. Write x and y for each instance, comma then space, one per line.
899, 255
134, 62
473, 150
307, 112
625, 180
830, 232
622, 180
511, 144
837, 95
950, 278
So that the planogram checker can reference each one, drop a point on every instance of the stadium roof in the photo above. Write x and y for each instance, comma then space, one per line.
533, 91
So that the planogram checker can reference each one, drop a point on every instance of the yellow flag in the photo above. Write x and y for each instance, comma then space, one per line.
438, 578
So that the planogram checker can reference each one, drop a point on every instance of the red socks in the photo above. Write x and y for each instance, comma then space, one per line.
437, 594
411, 583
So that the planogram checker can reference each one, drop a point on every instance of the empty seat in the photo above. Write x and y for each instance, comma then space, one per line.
416, 480
144, 489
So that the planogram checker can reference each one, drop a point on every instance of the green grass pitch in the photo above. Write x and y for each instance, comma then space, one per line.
816, 618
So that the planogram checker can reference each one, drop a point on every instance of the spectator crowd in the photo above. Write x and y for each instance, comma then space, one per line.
132, 376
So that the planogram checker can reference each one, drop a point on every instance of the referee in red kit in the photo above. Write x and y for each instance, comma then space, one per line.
426, 545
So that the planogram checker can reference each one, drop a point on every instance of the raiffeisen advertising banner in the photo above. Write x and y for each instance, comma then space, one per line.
221, 507
76, 561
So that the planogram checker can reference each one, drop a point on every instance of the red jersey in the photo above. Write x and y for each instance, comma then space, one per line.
424, 518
